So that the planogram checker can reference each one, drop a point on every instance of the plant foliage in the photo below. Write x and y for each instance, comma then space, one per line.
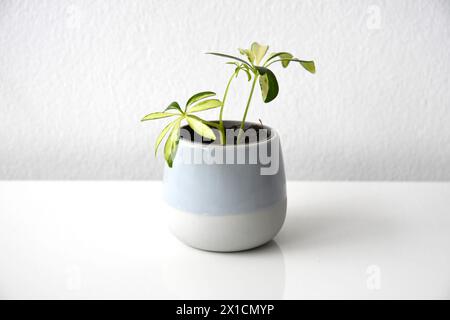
252, 65
196, 103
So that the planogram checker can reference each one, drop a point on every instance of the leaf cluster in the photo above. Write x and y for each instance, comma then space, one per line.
253, 65
196, 103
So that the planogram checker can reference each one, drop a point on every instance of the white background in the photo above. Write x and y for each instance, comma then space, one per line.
76, 77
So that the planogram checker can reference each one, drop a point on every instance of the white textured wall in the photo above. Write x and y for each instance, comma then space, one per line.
76, 77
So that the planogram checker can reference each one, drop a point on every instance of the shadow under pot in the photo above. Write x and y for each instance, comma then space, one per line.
228, 197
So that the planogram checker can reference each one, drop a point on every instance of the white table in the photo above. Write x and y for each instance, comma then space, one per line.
108, 239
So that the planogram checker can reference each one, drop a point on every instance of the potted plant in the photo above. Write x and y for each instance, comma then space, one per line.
224, 180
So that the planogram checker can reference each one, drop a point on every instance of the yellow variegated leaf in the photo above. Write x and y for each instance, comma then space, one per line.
259, 51
201, 128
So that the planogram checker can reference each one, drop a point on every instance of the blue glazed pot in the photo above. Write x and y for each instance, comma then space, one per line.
227, 198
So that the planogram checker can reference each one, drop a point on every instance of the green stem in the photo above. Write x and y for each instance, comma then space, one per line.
241, 131
223, 138
280, 60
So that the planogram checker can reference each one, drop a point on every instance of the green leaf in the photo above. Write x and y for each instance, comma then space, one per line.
308, 65
259, 51
282, 55
170, 148
246, 70
249, 76
228, 56
239, 67
205, 105
250, 55
199, 96
158, 115
163, 134
173, 106
268, 83
285, 59
202, 129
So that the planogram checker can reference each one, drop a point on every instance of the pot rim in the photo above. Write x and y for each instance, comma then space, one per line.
196, 144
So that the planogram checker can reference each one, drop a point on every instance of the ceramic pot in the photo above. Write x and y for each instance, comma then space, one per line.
227, 197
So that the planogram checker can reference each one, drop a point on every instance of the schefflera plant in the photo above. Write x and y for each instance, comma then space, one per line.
259, 72
196, 103
254, 68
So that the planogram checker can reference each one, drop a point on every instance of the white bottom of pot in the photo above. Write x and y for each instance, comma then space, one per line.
226, 233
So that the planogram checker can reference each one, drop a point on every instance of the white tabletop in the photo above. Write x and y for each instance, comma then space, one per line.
109, 240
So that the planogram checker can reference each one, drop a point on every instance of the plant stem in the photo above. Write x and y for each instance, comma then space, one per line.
280, 60
241, 130
223, 138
